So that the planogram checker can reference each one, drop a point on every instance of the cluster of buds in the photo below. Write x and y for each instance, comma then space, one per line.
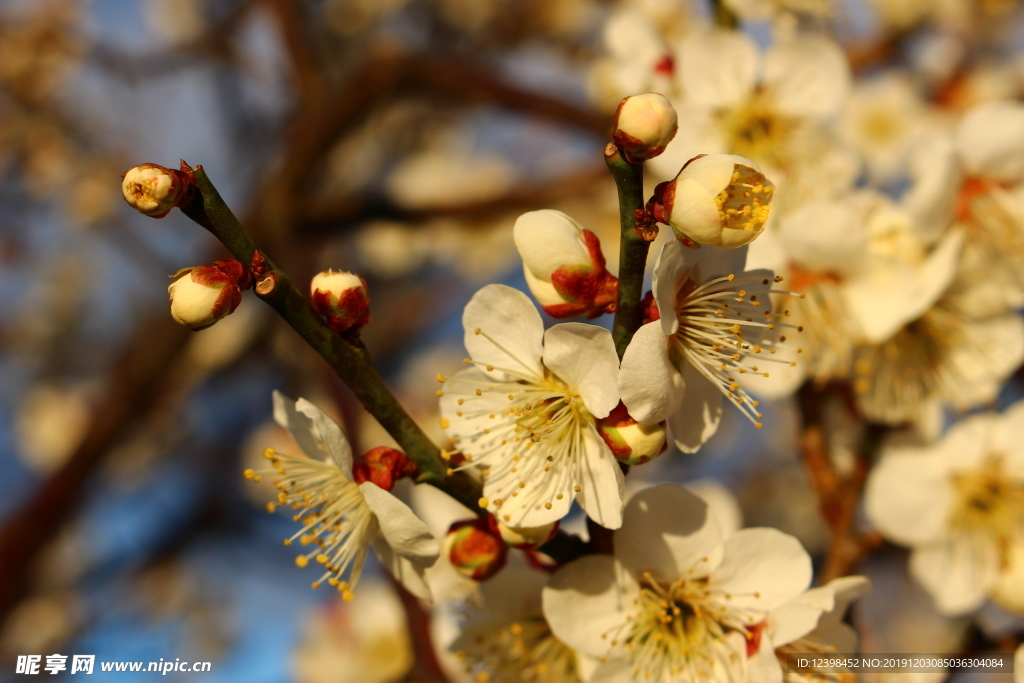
564, 266
632, 442
718, 199
154, 190
343, 299
383, 466
644, 125
202, 295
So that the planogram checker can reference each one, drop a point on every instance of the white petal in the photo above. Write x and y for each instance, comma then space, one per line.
409, 574
543, 291
990, 139
649, 384
402, 529
672, 266
762, 568
694, 213
826, 235
936, 176
588, 598
668, 531
699, 413
718, 68
584, 357
713, 172
316, 434
612, 670
465, 383
601, 481
808, 76
764, 666
548, 240
957, 573
511, 330
908, 498
799, 616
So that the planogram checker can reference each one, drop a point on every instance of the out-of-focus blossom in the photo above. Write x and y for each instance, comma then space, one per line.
343, 298
644, 125
639, 59
563, 265
762, 10
51, 422
345, 516
505, 638
202, 295
366, 640
718, 199
959, 504
679, 600
526, 413
679, 368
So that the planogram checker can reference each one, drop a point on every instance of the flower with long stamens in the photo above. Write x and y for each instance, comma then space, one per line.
716, 327
526, 413
341, 516
680, 601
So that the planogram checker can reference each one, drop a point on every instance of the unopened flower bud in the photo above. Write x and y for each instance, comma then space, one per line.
644, 125
343, 298
475, 550
632, 442
154, 190
564, 266
202, 295
717, 199
527, 538
383, 466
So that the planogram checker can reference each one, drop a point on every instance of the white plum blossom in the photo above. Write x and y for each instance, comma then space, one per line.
680, 600
716, 325
526, 412
959, 505
639, 58
721, 200
342, 519
505, 638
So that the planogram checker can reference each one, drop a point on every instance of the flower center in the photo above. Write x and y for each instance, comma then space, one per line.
525, 650
756, 130
988, 501
529, 433
713, 321
332, 510
685, 629
744, 203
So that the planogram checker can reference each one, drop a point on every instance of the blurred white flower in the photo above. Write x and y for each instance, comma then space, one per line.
340, 517
639, 59
762, 10
715, 326
681, 601
526, 413
366, 640
959, 504
51, 422
505, 638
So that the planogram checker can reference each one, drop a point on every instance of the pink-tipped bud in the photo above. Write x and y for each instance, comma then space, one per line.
632, 442
202, 295
343, 298
475, 550
154, 190
564, 266
383, 466
717, 199
526, 538
644, 125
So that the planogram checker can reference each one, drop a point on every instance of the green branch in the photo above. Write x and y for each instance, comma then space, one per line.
629, 181
351, 362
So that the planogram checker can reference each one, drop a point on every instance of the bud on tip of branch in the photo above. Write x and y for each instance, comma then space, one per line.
644, 125
154, 190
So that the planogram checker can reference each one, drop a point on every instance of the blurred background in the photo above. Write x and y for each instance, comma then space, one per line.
399, 139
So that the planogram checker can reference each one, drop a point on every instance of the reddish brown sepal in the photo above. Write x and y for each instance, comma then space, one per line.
589, 290
383, 466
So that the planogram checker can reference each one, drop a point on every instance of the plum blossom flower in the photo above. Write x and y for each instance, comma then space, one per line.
564, 266
526, 413
680, 600
959, 505
716, 325
505, 638
342, 518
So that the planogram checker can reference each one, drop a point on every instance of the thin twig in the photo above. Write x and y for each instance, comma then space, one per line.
629, 181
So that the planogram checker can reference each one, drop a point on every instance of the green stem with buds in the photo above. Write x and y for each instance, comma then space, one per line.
629, 181
350, 361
